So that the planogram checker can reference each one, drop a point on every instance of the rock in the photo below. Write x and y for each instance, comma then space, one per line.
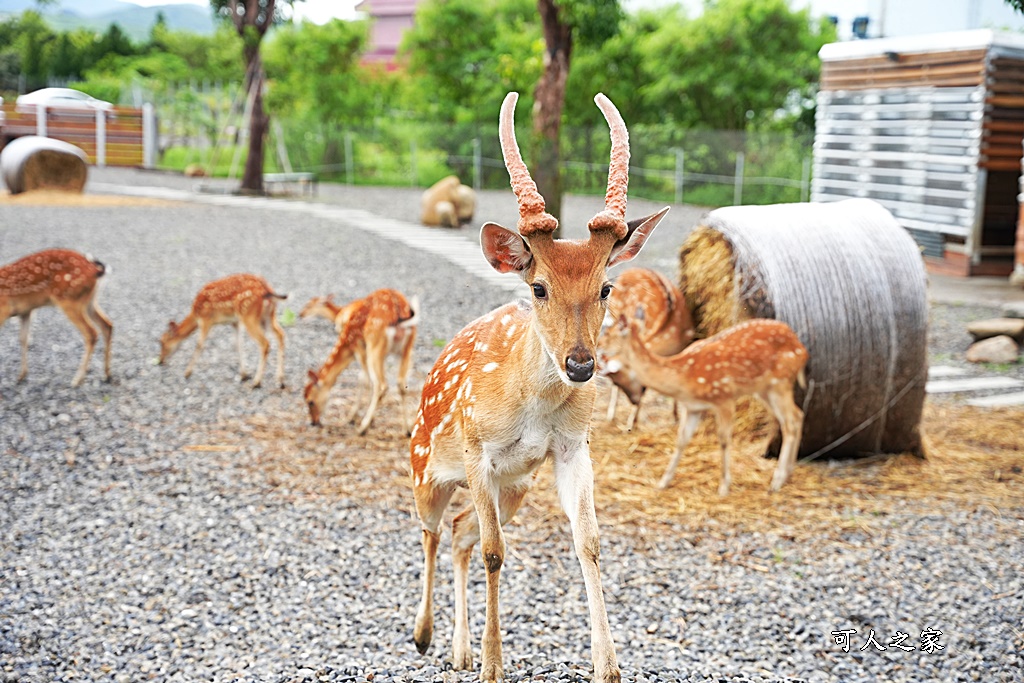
1013, 309
995, 327
1001, 349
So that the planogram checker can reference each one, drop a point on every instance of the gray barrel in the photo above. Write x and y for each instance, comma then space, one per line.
851, 282
37, 163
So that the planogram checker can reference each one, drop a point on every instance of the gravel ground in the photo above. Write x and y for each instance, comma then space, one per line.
130, 552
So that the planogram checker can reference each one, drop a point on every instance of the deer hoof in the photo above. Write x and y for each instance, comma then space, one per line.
422, 637
491, 672
462, 660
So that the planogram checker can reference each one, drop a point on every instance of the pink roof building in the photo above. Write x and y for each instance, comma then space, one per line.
389, 21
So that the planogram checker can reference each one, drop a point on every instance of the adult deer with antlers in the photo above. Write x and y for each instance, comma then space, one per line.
61, 278
512, 390
667, 328
381, 324
246, 301
761, 358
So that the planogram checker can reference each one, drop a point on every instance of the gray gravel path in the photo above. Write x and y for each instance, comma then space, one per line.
126, 554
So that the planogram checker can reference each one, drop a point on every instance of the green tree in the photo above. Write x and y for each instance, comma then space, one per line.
456, 78
460, 76
740, 61
114, 41
252, 19
591, 22
33, 38
331, 88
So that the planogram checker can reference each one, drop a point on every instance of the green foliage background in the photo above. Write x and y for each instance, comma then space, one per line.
739, 78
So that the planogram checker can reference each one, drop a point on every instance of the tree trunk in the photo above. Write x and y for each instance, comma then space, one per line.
259, 123
549, 98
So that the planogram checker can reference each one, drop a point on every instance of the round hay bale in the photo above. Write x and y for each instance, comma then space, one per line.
37, 163
851, 282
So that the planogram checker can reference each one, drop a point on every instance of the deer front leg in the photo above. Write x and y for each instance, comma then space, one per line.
107, 330
204, 330
634, 414
242, 374
791, 420
375, 362
574, 477
431, 502
76, 314
279, 333
687, 428
723, 417
256, 332
612, 402
23, 335
403, 378
465, 534
363, 385
492, 547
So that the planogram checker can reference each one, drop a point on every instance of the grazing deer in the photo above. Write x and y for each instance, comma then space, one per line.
759, 358
512, 391
381, 324
323, 307
245, 300
62, 278
667, 330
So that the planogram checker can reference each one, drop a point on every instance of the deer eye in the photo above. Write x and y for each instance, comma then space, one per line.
539, 292
606, 291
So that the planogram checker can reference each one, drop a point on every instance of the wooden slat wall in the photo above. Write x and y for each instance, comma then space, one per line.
935, 137
952, 69
124, 131
1003, 127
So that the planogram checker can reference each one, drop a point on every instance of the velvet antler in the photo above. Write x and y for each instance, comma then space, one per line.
613, 218
533, 218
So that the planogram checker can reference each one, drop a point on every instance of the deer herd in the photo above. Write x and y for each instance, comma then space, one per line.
511, 391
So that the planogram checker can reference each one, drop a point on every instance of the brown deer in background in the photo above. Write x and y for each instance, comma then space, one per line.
61, 278
512, 390
370, 329
761, 358
246, 301
666, 329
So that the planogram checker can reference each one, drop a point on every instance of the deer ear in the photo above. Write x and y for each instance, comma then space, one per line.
312, 376
637, 232
505, 250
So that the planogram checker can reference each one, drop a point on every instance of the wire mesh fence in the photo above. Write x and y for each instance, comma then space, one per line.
205, 125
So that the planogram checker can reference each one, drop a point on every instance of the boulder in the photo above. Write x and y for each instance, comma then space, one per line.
1001, 349
995, 327
1013, 309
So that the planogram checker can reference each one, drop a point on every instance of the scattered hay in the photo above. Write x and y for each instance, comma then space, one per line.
58, 198
974, 462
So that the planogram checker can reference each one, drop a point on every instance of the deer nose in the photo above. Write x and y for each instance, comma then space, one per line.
579, 367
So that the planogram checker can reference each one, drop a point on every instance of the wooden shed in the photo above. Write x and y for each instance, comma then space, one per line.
930, 127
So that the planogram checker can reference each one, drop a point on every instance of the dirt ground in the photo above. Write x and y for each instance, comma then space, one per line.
973, 462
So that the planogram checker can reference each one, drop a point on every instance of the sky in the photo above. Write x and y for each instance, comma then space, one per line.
317, 11
904, 16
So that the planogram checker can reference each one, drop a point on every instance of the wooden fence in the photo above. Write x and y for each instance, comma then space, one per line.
122, 136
